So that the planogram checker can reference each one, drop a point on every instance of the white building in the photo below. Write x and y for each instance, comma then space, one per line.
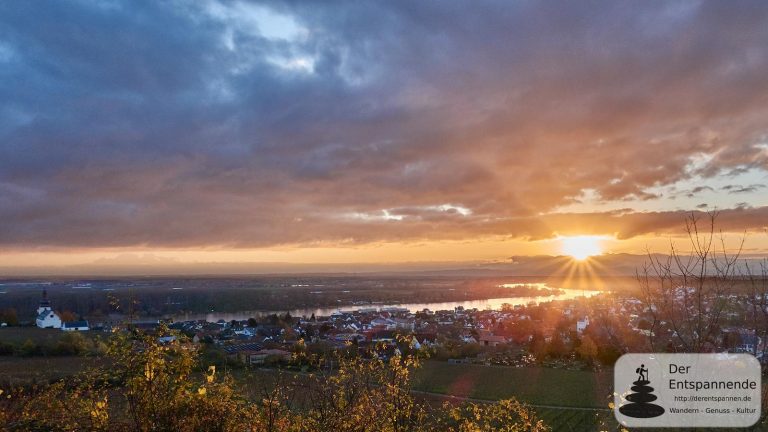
582, 324
75, 326
404, 324
46, 317
386, 323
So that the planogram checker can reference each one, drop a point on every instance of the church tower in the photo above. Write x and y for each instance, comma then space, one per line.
45, 305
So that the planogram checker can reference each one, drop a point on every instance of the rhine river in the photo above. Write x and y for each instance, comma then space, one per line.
487, 304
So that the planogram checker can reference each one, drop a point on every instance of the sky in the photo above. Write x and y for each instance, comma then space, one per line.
354, 131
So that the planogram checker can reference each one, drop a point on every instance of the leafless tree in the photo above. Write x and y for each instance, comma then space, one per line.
757, 301
686, 293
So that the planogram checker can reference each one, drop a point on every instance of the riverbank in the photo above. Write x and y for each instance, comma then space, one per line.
483, 304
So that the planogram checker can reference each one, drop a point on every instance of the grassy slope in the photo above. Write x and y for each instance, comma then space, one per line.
26, 370
542, 386
17, 335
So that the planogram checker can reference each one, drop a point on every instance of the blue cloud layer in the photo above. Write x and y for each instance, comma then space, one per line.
186, 123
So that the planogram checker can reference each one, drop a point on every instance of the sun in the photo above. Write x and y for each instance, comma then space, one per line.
581, 247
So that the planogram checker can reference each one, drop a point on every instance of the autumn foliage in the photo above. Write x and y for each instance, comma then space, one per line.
148, 385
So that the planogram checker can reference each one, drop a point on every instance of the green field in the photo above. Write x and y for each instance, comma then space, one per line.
557, 395
577, 421
534, 385
18, 335
39, 370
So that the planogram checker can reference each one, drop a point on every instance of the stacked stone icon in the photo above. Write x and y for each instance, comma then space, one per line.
640, 399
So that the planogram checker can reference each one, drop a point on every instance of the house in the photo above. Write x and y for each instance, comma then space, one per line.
415, 343
203, 336
46, 317
582, 324
386, 336
426, 339
75, 326
235, 349
404, 324
384, 323
349, 337
488, 339
748, 343
262, 356
248, 332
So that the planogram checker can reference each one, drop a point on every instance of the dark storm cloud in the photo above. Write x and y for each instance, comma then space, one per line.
186, 123
738, 189
699, 189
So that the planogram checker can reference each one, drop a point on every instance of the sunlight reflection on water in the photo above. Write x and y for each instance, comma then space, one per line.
492, 304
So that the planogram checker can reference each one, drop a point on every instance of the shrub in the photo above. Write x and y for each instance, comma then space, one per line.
151, 386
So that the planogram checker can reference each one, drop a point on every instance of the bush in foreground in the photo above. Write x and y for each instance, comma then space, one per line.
146, 385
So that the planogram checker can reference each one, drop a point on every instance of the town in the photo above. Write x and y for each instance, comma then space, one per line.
578, 333
544, 352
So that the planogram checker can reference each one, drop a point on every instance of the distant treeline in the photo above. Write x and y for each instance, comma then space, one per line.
165, 296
